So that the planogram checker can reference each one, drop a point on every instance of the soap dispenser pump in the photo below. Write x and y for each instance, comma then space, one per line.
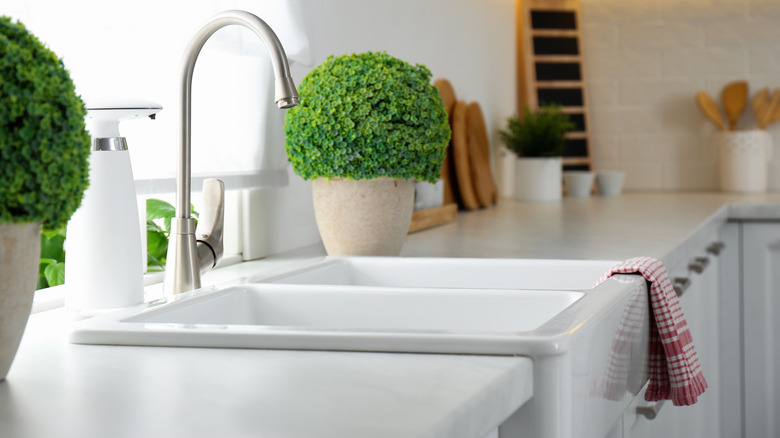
104, 262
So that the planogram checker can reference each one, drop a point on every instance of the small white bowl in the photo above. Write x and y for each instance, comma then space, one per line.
610, 182
578, 183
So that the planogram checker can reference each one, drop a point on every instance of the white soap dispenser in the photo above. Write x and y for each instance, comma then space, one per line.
103, 256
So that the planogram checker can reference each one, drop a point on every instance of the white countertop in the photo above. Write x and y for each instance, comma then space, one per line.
597, 228
55, 388
59, 389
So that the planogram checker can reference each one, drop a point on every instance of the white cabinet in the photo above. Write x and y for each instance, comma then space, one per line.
730, 332
761, 328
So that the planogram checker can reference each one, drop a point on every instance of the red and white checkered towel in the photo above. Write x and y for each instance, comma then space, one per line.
674, 367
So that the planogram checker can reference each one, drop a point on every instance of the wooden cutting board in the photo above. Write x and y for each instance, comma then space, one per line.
447, 93
479, 156
460, 157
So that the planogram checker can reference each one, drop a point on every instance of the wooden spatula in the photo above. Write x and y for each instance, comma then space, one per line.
774, 114
760, 104
770, 110
710, 109
735, 97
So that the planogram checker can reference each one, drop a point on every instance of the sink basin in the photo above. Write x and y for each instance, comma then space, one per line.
432, 305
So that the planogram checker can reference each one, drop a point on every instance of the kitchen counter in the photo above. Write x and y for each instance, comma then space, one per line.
56, 388
660, 225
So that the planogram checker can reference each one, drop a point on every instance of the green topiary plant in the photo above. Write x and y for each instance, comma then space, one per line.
366, 116
44, 145
541, 133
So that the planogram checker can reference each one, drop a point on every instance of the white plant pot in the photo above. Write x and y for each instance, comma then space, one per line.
366, 217
539, 179
744, 160
20, 253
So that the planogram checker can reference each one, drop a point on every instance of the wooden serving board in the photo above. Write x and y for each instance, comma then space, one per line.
447, 93
479, 156
460, 157
431, 217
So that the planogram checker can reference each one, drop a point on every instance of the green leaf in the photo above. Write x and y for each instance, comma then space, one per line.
153, 263
152, 226
55, 274
159, 209
52, 245
157, 246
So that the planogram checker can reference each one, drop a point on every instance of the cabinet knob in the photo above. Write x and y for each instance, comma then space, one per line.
699, 264
680, 285
650, 412
715, 248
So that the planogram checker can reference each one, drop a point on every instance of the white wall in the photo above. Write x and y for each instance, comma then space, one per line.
134, 49
645, 61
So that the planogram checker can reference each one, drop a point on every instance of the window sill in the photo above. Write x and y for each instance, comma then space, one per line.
54, 297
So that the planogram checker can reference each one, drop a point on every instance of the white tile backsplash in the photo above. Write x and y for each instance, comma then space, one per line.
695, 61
645, 61
660, 33
619, 10
703, 9
622, 63
656, 90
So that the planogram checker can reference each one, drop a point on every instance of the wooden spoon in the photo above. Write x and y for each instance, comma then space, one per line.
710, 109
770, 110
774, 115
735, 96
760, 104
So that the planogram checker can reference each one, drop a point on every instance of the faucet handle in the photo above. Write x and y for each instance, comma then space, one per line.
212, 222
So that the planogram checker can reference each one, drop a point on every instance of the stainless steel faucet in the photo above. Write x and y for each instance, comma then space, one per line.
189, 257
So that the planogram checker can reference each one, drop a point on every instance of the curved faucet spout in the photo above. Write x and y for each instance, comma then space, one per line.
183, 267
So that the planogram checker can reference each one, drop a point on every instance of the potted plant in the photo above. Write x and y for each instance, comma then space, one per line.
44, 152
538, 140
368, 125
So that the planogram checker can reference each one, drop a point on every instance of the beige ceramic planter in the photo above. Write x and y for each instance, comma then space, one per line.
20, 251
366, 217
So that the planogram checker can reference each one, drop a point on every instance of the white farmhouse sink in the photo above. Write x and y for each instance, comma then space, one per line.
431, 305
583, 340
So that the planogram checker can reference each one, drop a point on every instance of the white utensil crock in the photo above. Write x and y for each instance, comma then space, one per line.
744, 160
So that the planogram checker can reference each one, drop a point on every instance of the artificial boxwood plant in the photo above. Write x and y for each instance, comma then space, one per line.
540, 133
364, 116
44, 144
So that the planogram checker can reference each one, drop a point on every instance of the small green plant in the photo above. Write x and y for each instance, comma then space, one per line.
51, 271
364, 116
541, 133
158, 228
44, 145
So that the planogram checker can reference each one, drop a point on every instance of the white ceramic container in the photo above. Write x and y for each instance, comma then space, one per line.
539, 179
578, 183
610, 182
744, 160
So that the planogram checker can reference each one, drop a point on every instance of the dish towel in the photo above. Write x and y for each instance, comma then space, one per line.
674, 369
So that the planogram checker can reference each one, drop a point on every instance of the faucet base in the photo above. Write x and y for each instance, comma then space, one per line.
181, 267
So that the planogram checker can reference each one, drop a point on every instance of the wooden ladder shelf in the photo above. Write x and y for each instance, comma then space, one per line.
550, 69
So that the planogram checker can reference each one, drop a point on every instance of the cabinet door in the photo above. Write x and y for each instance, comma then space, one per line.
730, 331
761, 329
703, 308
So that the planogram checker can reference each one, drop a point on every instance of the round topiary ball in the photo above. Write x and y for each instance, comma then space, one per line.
366, 116
44, 145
